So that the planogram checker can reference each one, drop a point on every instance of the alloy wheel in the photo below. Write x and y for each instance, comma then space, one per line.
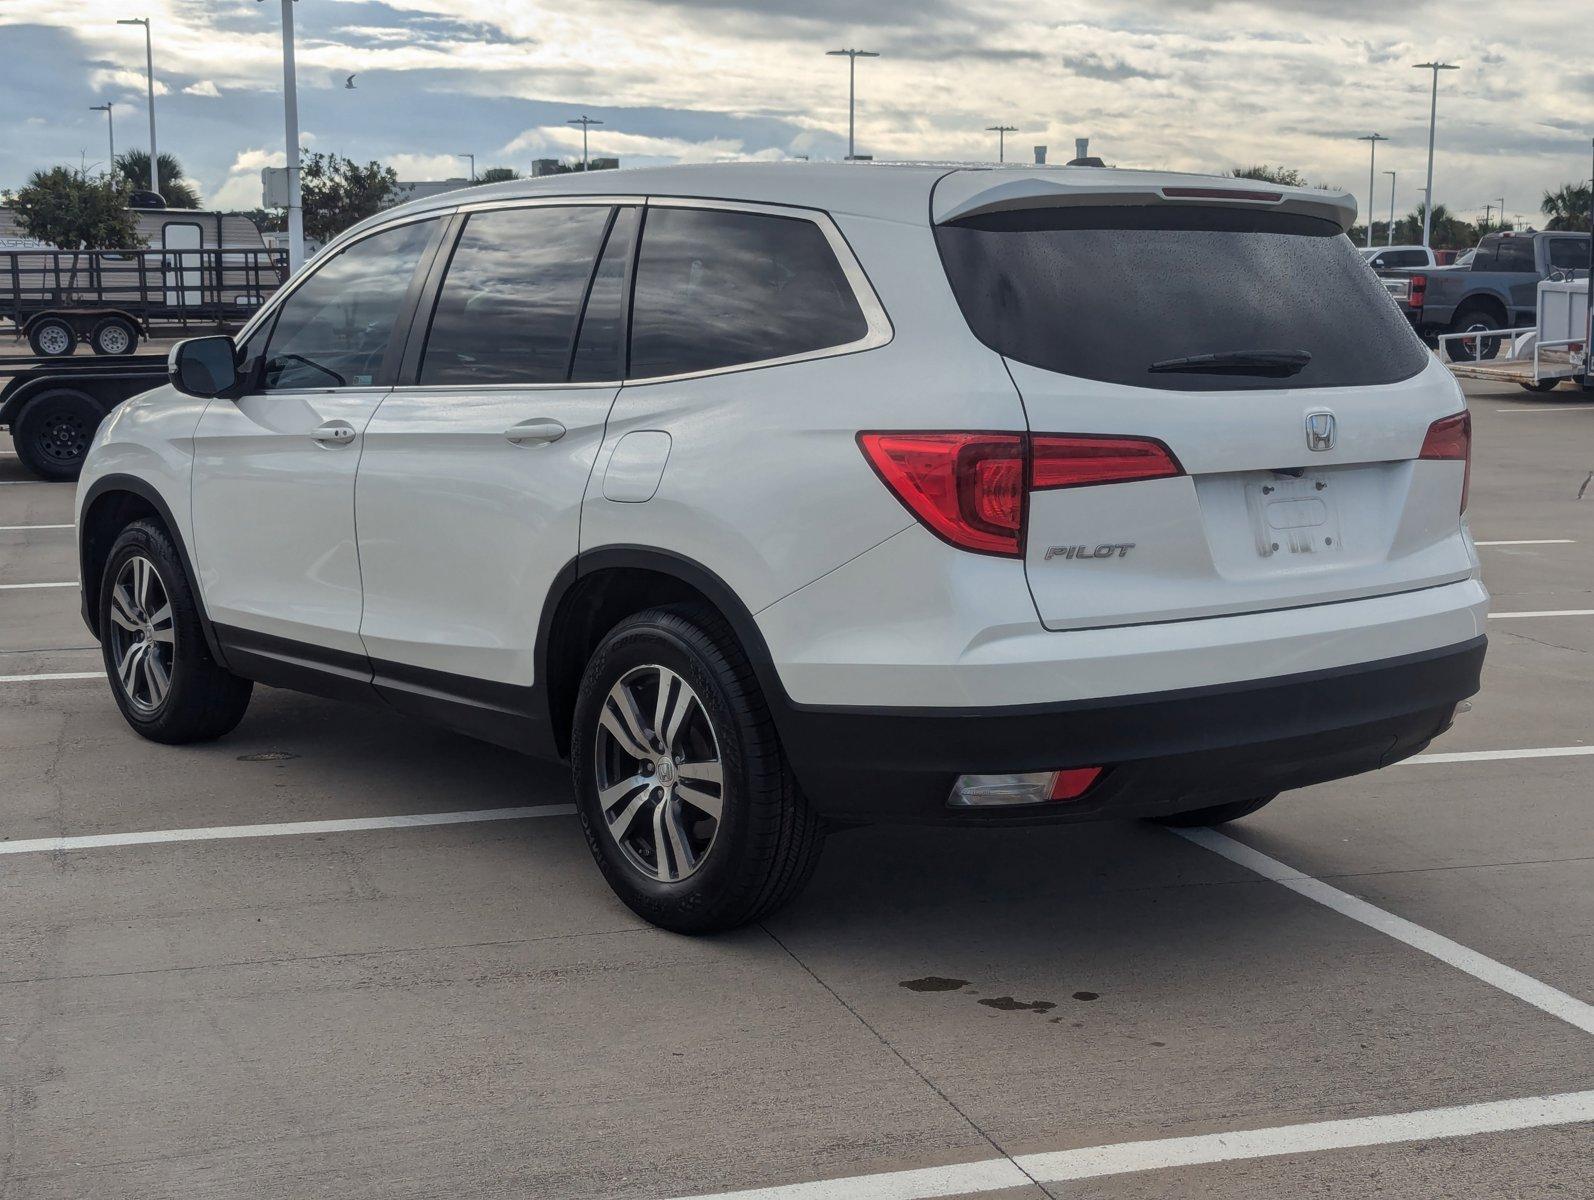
143, 638
658, 770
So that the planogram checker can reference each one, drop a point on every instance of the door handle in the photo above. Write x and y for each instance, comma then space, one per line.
537, 431
333, 433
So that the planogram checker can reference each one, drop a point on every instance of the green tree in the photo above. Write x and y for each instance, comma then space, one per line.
1449, 231
75, 211
175, 187
1567, 207
1283, 176
339, 192
498, 175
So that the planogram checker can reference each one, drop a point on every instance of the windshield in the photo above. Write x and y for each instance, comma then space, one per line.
1107, 293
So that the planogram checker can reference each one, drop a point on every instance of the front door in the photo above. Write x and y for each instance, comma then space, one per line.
469, 494
273, 490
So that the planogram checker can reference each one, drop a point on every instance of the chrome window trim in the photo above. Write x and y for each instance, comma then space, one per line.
286, 291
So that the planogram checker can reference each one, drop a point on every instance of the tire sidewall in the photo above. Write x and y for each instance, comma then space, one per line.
640, 643
140, 539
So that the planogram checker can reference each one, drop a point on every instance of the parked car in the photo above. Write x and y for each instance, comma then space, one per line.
1379, 257
1497, 290
781, 498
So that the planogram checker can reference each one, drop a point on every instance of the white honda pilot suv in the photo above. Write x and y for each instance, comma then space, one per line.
783, 497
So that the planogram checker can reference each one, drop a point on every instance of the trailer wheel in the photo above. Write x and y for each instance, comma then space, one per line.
52, 337
114, 335
1543, 385
53, 433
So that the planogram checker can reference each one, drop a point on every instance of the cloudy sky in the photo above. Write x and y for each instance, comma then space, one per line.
1183, 84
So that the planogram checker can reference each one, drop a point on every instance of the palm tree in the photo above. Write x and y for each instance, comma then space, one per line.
178, 192
1449, 232
1567, 207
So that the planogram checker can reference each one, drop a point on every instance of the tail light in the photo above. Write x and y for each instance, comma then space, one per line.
1419, 289
1449, 439
972, 489
1029, 787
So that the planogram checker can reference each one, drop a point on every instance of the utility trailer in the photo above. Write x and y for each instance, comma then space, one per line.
110, 298
53, 406
1537, 358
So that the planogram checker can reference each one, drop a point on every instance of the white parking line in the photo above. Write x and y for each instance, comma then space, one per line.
1523, 542
1549, 408
1549, 612
1497, 755
1542, 996
20, 587
282, 829
29, 528
1124, 1158
52, 678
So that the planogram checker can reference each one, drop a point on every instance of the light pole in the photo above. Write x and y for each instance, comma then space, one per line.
290, 121
472, 158
149, 71
1389, 239
852, 89
1433, 120
584, 121
110, 128
1372, 140
1001, 132
1502, 210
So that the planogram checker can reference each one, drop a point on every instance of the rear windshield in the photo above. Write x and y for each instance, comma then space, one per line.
1106, 292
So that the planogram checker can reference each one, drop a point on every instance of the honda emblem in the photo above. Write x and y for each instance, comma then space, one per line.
1320, 431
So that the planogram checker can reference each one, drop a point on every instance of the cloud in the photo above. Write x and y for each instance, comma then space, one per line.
203, 87
1094, 66
559, 141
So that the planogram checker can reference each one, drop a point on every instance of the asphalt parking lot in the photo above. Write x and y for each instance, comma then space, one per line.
1395, 1000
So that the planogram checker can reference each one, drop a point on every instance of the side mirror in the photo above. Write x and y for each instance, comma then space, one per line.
205, 367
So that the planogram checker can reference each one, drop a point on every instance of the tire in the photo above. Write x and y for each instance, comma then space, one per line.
664, 856
1468, 321
52, 337
146, 600
1216, 814
52, 434
114, 335
1542, 386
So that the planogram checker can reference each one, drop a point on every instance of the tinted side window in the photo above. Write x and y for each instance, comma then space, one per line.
336, 327
510, 300
1514, 254
1405, 258
718, 289
1569, 254
600, 346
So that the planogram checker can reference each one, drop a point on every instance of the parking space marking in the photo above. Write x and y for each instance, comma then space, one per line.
29, 528
1540, 995
1125, 1158
20, 587
283, 829
1495, 755
1549, 612
1521, 542
1548, 408
52, 677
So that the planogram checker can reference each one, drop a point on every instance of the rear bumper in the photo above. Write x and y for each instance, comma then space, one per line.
1165, 752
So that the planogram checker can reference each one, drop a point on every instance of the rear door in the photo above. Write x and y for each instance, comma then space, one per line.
1298, 479
469, 492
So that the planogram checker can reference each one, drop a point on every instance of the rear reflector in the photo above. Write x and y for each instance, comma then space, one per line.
1449, 440
971, 489
1030, 787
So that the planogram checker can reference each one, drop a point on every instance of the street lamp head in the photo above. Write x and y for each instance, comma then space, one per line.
853, 53
1001, 128
133, 21
1435, 66
1372, 137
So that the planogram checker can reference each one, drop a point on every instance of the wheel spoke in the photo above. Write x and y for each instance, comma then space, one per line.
675, 702
127, 668
621, 825
704, 802
155, 677
707, 772
122, 609
141, 585
161, 622
669, 816
612, 721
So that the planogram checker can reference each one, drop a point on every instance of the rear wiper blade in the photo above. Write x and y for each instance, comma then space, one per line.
1275, 363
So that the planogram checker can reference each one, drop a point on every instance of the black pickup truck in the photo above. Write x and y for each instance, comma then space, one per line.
1498, 290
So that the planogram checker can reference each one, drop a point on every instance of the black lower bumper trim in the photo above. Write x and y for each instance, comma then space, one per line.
1166, 752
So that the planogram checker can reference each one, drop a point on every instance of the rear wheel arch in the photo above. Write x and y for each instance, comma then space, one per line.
1482, 303
604, 586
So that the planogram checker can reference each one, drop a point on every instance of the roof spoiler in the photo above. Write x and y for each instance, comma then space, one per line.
973, 193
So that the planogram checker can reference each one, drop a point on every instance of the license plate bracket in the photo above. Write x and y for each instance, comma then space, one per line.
1293, 515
